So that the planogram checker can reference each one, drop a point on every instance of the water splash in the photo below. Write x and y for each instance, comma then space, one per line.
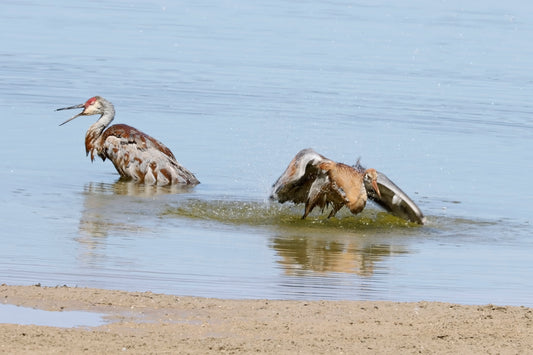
264, 213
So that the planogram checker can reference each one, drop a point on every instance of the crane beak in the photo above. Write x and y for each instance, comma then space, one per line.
375, 187
70, 108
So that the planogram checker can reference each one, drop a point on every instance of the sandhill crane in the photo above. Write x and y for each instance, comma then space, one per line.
314, 180
134, 154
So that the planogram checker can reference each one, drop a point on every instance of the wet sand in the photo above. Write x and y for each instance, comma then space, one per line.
144, 322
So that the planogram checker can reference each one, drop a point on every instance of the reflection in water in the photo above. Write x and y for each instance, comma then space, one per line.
131, 188
316, 244
324, 254
117, 208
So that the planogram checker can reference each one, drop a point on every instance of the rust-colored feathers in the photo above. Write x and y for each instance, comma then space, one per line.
310, 178
317, 181
134, 154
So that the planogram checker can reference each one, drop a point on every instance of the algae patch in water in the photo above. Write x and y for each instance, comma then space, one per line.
259, 213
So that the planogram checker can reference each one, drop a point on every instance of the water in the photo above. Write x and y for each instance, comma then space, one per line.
435, 95
66, 319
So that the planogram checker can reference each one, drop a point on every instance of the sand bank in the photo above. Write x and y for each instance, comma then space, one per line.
144, 322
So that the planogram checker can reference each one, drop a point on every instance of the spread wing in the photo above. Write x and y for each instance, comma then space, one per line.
302, 179
394, 200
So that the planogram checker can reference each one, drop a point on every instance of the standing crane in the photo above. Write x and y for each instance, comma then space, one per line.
315, 180
134, 154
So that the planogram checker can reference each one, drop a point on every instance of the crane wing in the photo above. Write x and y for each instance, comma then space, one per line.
140, 139
137, 155
302, 179
394, 200
305, 181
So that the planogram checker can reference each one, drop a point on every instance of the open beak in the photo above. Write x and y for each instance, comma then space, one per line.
375, 187
70, 108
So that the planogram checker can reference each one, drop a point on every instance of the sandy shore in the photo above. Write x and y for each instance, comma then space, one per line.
155, 323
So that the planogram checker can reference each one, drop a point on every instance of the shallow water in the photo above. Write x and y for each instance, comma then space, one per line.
437, 96
66, 319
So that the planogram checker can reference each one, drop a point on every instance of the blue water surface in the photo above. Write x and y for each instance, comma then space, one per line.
437, 95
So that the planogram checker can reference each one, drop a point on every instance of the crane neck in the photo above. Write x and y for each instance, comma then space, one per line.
93, 142
105, 119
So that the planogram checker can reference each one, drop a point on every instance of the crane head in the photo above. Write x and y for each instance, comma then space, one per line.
92, 106
371, 175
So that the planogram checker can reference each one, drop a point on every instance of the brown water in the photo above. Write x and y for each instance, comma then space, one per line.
437, 96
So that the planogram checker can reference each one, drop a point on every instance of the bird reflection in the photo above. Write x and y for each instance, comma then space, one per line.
301, 254
117, 209
131, 188
108, 207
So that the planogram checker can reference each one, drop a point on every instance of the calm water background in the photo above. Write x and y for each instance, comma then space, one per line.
435, 94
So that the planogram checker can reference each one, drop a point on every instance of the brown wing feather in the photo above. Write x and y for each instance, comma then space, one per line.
317, 181
349, 185
300, 176
134, 136
138, 156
